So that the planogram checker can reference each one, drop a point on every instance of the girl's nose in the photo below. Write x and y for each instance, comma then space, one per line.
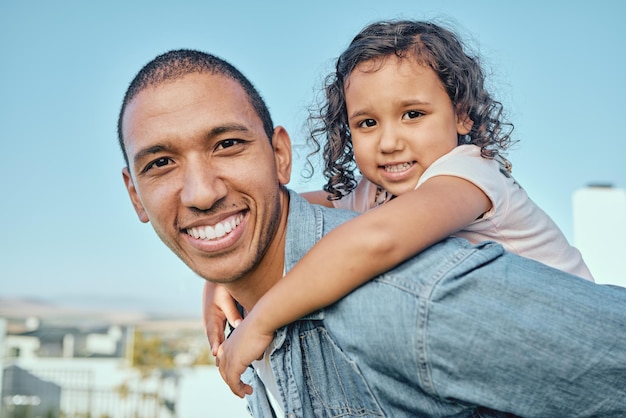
389, 141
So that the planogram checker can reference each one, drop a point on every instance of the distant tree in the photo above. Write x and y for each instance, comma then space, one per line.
150, 353
204, 357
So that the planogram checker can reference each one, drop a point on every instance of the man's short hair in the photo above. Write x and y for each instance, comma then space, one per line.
176, 64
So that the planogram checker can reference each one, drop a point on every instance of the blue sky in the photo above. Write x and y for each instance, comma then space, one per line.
67, 230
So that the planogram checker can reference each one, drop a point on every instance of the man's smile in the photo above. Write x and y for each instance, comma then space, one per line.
216, 231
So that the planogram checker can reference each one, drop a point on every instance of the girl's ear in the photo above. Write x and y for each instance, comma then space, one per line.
463, 123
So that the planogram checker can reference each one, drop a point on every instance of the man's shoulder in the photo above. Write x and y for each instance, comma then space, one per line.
301, 212
307, 224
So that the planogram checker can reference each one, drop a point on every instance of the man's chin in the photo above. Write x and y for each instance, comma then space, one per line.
222, 271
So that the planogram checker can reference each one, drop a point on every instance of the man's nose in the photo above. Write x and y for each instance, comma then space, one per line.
202, 187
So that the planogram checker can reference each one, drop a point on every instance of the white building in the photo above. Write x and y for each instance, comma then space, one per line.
85, 370
599, 213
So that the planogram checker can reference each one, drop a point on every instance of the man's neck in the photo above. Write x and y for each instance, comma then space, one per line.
249, 289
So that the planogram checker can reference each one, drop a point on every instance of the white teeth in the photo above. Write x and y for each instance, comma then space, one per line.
216, 231
398, 167
219, 230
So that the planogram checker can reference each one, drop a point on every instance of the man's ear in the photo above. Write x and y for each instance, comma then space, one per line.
281, 143
134, 196
463, 123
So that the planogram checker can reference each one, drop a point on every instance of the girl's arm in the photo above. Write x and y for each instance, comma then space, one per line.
371, 244
347, 257
318, 197
217, 304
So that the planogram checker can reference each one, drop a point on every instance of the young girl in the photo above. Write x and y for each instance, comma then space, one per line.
408, 105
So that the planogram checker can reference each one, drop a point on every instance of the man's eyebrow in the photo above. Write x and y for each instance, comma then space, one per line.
147, 151
219, 130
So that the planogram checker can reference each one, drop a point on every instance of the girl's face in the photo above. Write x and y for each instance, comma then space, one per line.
401, 120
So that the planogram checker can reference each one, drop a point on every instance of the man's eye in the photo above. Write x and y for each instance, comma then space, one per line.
228, 143
161, 162
367, 123
412, 114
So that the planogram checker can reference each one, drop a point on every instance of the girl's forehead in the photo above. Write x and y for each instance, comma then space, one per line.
392, 78
402, 64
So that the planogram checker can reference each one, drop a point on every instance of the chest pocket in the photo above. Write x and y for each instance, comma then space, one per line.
335, 386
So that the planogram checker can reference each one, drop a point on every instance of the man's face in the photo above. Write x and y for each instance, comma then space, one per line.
203, 172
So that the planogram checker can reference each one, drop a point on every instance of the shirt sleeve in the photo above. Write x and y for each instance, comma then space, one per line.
466, 162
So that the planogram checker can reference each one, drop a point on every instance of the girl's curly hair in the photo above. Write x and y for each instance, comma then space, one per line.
431, 45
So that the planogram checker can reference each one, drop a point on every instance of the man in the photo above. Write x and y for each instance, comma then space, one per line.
458, 330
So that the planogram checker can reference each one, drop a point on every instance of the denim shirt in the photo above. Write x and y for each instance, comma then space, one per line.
384, 350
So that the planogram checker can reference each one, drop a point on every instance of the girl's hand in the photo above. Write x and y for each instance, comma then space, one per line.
244, 345
217, 308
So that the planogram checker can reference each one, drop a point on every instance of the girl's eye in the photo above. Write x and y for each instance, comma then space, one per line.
367, 123
412, 114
